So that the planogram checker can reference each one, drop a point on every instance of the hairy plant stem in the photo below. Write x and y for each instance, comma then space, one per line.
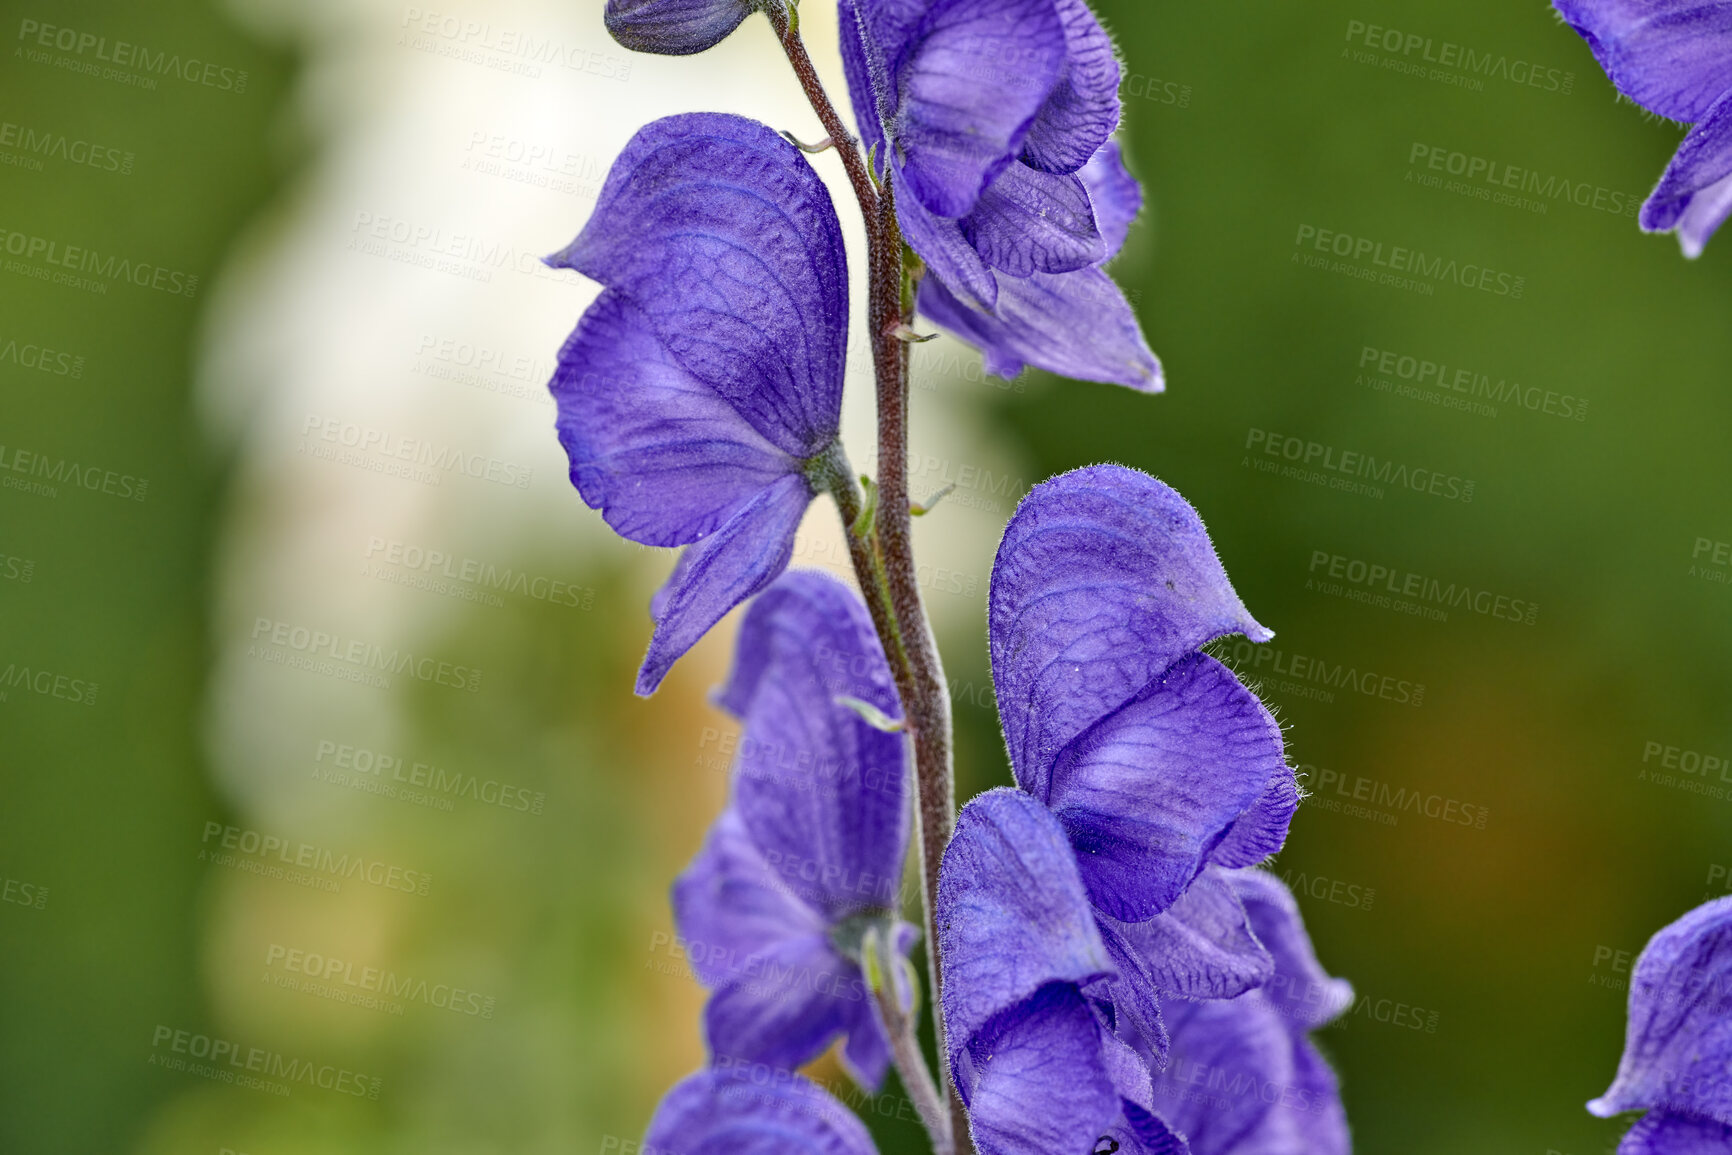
886, 968
884, 560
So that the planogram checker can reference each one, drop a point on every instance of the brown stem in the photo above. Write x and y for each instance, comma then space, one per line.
847, 145
884, 563
905, 1046
925, 703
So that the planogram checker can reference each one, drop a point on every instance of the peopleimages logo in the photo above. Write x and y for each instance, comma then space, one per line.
1402, 263
35, 144
1453, 63
1472, 386
327, 976
40, 358
1347, 463
1254, 662
1391, 587
1503, 181
316, 649
36, 35
228, 1062
81, 260
257, 847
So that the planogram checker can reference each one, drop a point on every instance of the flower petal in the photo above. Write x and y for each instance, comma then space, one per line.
1679, 1044
1149, 791
1104, 579
1012, 916
1117, 196
674, 27
785, 1006
664, 458
1035, 1080
1133, 997
1200, 948
1075, 324
968, 86
1083, 110
729, 905
952, 264
820, 789
1231, 1060
1144, 1133
1672, 57
730, 1112
1261, 830
721, 571
866, 72
1315, 1111
866, 1054
723, 235
1660, 1133
1708, 210
1694, 195
1029, 222
1305, 994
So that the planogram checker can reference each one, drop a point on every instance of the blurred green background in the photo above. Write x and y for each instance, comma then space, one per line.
1579, 739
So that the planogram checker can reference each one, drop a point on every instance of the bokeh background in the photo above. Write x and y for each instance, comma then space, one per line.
212, 498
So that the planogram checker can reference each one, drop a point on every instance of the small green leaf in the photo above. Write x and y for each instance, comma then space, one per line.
922, 508
873, 716
862, 526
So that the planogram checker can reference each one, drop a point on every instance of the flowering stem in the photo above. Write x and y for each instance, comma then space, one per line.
887, 969
788, 32
920, 681
884, 563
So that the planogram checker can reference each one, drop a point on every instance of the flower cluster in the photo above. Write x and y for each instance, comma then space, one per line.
1102, 930
1101, 919
1674, 58
991, 121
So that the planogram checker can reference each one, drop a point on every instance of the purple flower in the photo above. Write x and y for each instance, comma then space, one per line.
1679, 1046
677, 27
742, 1111
700, 395
1241, 1076
1031, 1047
1674, 58
992, 120
1163, 770
806, 859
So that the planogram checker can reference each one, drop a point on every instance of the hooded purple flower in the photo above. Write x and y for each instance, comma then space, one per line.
1242, 1078
992, 120
700, 395
807, 858
1674, 58
1032, 1050
749, 1111
1679, 1047
678, 27
1163, 770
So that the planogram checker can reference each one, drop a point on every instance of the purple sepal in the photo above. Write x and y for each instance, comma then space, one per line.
1679, 1044
735, 1111
675, 27
1105, 578
1672, 57
1694, 196
700, 382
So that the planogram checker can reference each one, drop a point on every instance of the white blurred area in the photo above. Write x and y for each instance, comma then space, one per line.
329, 328
393, 297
